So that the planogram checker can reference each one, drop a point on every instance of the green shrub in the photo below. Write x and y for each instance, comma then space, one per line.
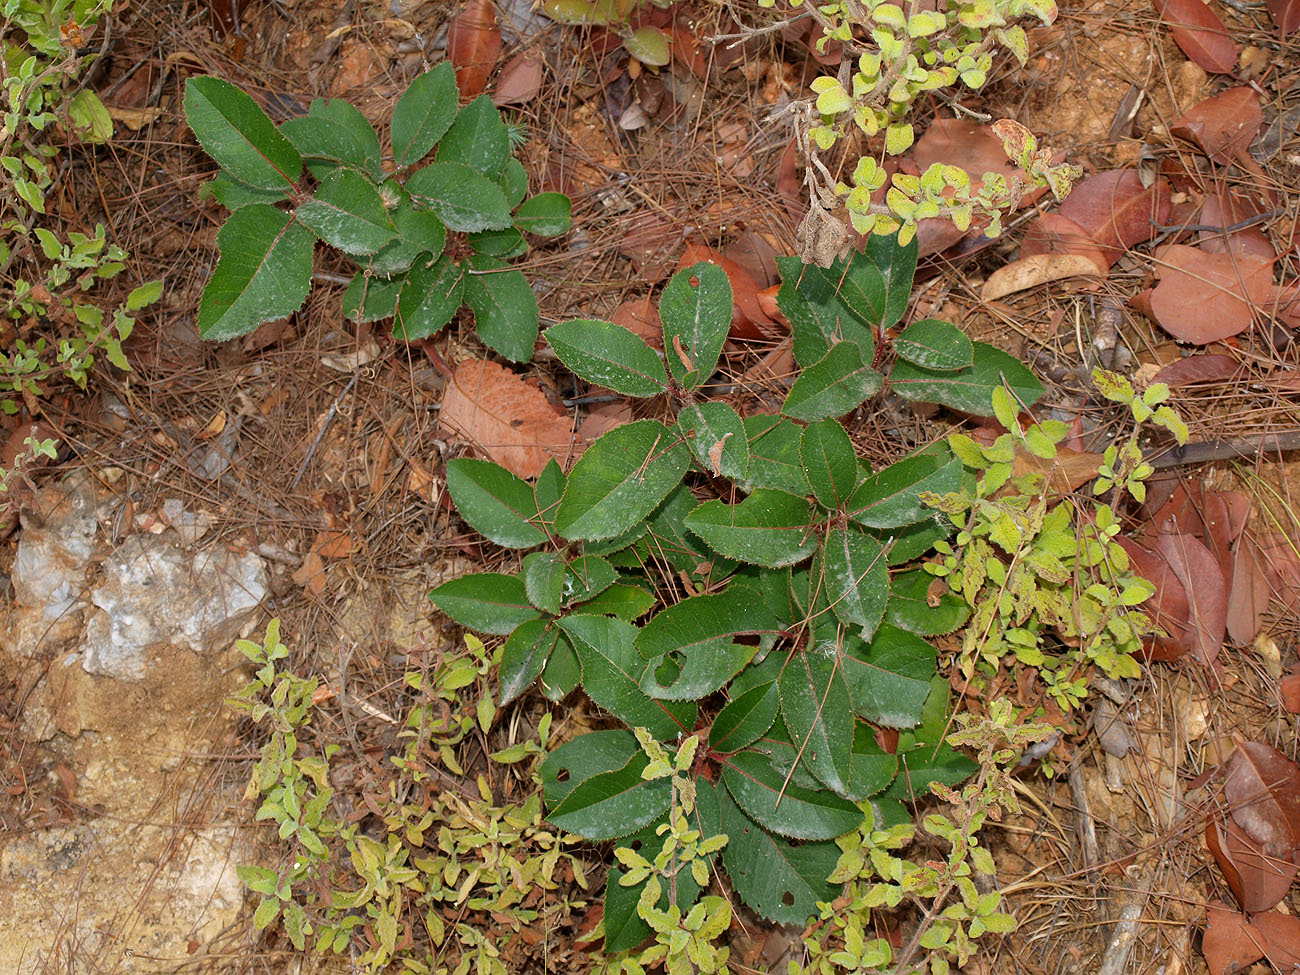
427, 238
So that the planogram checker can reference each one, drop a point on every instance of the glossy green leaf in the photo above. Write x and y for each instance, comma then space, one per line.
717, 438
585, 756
232, 194
487, 602
624, 600
523, 657
873, 767
608, 355
562, 672
496, 504
819, 316
430, 295
895, 266
829, 462
335, 131
838, 382
774, 455
238, 135
612, 804
586, 577
971, 389
263, 272
546, 215
911, 542
370, 298
935, 345
781, 880
818, 713
913, 606
745, 718
465, 200
543, 575
891, 497
348, 213
768, 528
504, 306
620, 479
889, 679
696, 319
504, 244
478, 139
801, 813
856, 577
424, 113
611, 676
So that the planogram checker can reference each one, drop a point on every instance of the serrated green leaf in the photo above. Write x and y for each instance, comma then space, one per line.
611, 676
238, 135
514, 182
896, 266
496, 504
487, 602
549, 489
838, 382
546, 215
263, 272
335, 131
624, 600
418, 232
465, 200
348, 213
911, 608
424, 113
504, 306
613, 804
819, 317
524, 656
907, 544
562, 673
370, 298
717, 437
504, 244
829, 462
889, 679
608, 355
430, 295
818, 713
745, 718
696, 319
781, 880
802, 813
856, 577
543, 574
478, 139
769, 528
969, 389
935, 345
890, 498
774, 460
620, 479
233, 195
586, 577
873, 767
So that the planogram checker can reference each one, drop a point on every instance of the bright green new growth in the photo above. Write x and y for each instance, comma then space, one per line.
428, 238
894, 57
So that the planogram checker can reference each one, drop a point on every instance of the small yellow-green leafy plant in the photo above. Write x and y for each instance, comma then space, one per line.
1048, 584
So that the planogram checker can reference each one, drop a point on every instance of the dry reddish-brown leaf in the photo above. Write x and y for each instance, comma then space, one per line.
473, 44
650, 242
1248, 596
1229, 943
1281, 936
1116, 210
639, 315
685, 50
1226, 210
600, 419
1213, 368
1223, 126
1203, 298
1168, 607
1257, 880
1282, 567
1200, 33
1053, 233
788, 183
1289, 690
311, 574
332, 544
757, 255
1263, 787
1067, 472
1030, 272
748, 319
510, 420
520, 80
1207, 593
1286, 14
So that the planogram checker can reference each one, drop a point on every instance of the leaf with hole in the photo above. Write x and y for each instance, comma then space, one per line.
238, 135
612, 804
873, 767
543, 575
608, 355
620, 479
263, 272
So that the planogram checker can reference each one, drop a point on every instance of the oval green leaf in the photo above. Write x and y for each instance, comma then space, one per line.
424, 113
496, 504
239, 136
769, 528
608, 355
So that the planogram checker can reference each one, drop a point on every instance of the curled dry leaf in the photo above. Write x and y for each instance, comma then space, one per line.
1223, 126
507, 418
521, 79
1203, 298
1053, 233
1029, 272
1116, 211
473, 44
1207, 593
1213, 368
1262, 787
1200, 33
748, 320
1257, 880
